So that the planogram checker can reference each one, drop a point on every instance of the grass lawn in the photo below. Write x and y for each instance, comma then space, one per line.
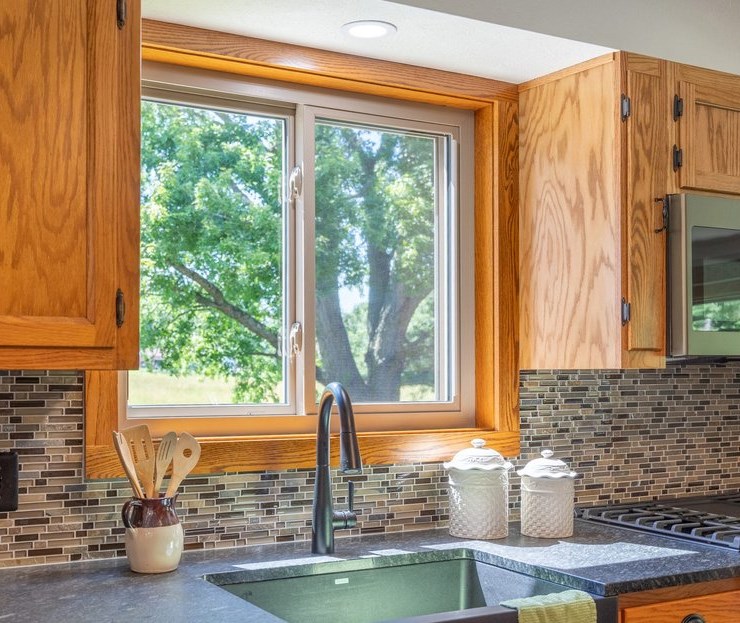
156, 388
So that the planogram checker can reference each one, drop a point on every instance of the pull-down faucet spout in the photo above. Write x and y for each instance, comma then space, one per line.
325, 519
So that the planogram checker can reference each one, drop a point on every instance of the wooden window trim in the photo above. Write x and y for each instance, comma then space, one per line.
496, 249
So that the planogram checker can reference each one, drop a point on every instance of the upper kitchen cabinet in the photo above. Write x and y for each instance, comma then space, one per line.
709, 123
595, 163
69, 183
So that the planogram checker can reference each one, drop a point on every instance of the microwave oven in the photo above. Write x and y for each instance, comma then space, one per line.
703, 276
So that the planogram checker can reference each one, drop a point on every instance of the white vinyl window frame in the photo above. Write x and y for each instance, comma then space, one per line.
153, 93
447, 280
301, 107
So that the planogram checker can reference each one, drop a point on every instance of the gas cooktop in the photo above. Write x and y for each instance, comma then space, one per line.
712, 520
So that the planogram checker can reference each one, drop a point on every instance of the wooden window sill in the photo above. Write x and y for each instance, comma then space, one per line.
237, 454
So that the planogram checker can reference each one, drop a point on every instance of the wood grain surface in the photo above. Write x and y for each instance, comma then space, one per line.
128, 173
605, 59
716, 608
647, 154
245, 454
710, 134
43, 159
50, 358
485, 271
570, 254
673, 593
506, 276
302, 65
58, 198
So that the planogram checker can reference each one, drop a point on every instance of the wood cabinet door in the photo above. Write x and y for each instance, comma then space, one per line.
646, 174
715, 608
710, 131
62, 175
570, 220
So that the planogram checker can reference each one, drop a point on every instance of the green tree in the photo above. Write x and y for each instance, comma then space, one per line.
212, 249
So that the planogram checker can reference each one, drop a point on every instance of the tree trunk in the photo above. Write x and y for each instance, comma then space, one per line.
337, 361
386, 353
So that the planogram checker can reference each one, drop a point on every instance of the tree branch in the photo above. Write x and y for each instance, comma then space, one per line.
218, 301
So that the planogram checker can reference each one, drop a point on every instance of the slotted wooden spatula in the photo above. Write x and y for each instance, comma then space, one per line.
164, 457
142, 451
185, 458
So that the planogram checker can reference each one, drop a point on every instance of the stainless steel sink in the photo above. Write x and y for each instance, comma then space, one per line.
427, 587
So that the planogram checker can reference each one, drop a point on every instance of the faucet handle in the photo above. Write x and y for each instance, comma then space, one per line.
347, 518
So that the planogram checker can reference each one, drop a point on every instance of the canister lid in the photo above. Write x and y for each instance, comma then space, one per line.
478, 457
546, 467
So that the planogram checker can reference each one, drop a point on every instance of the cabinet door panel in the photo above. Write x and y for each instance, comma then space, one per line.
570, 220
716, 608
710, 135
56, 247
647, 155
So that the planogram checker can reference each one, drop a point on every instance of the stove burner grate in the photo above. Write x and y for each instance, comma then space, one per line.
692, 525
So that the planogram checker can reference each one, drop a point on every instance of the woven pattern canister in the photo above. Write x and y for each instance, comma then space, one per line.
479, 493
547, 498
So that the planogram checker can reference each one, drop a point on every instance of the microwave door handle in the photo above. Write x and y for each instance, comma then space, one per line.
664, 202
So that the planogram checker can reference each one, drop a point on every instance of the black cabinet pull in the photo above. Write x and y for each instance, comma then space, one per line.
120, 308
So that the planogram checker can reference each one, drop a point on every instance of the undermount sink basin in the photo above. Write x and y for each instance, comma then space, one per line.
428, 587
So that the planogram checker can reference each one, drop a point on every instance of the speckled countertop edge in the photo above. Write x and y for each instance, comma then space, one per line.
602, 560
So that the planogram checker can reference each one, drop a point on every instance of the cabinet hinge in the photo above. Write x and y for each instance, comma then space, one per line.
677, 158
120, 308
677, 107
120, 13
626, 107
626, 311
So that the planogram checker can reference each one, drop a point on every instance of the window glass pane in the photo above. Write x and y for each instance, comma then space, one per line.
212, 267
716, 277
380, 326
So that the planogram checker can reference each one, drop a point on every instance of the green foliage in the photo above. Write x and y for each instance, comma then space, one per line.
717, 316
212, 248
212, 202
374, 194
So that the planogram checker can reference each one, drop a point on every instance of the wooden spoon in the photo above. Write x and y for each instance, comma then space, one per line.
142, 451
164, 457
185, 458
124, 455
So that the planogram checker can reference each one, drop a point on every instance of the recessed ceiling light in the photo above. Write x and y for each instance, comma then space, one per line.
369, 29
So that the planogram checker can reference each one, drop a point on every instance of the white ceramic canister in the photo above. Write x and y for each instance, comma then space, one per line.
547, 498
479, 493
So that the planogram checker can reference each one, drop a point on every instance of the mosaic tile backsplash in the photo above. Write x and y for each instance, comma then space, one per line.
632, 434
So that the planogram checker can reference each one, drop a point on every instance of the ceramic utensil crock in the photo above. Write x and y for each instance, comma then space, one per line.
154, 537
479, 493
547, 498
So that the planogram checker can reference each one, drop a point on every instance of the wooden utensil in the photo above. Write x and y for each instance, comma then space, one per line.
124, 455
142, 451
185, 458
164, 457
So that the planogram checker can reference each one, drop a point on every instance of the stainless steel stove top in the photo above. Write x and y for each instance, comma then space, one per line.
712, 520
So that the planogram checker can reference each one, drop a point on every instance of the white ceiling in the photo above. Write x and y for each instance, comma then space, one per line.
425, 37
699, 32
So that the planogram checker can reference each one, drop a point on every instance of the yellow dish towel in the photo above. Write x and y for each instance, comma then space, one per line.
564, 607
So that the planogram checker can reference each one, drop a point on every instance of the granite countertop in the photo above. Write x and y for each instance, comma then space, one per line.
603, 560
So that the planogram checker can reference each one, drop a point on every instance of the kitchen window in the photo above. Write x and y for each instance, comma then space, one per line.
272, 441
291, 238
